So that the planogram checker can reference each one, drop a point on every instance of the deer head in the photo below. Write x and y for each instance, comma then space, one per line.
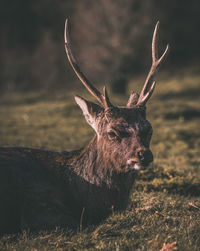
123, 133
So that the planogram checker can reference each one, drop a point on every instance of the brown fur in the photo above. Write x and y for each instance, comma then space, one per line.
42, 189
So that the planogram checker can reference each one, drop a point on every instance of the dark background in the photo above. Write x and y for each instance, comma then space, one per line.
111, 39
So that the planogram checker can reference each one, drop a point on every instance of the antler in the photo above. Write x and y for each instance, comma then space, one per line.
148, 88
102, 98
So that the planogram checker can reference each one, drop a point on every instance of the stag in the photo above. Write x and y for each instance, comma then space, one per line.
42, 189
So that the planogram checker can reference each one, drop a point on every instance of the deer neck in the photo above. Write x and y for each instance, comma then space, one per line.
90, 164
85, 163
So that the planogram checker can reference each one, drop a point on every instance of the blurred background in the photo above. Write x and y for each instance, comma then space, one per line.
111, 40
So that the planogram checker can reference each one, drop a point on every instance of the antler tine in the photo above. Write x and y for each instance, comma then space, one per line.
148, 88
107, 102
148, 94
77, 70
154, 40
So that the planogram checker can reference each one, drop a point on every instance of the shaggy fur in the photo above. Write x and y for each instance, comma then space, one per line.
41, 189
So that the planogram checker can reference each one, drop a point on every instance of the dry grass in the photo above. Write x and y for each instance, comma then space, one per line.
165, 201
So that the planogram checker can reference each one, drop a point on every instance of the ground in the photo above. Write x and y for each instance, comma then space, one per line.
165, 200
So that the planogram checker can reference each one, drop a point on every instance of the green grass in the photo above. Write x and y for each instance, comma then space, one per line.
165, 200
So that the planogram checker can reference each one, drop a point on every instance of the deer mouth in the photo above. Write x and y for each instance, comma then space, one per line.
142, 161
135, 165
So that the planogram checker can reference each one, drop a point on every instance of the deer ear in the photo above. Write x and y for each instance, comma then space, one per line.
90, 111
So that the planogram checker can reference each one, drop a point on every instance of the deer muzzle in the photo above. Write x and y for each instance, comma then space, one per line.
143, 158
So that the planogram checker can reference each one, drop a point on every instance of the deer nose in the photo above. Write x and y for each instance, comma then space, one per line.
145, 156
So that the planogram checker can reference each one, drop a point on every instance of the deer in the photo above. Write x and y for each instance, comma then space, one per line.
44, 189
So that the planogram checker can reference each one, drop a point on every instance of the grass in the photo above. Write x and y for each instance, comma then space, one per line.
165, 200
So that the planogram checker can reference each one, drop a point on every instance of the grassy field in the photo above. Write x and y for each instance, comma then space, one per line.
165, 200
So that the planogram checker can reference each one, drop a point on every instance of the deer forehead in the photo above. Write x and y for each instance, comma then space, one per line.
125, 116
129, 127
128, 124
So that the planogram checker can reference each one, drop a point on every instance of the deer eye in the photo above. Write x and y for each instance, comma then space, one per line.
112, 135
124, 134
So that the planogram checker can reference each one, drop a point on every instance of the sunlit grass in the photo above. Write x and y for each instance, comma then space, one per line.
165, 200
